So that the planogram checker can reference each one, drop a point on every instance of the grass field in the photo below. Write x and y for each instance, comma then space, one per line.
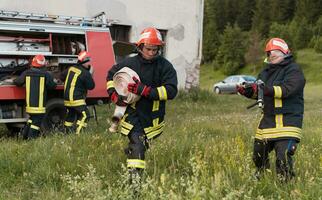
204, 153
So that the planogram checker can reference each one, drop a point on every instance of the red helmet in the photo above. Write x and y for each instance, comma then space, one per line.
277, 44
38, 60
150, 36
83, 57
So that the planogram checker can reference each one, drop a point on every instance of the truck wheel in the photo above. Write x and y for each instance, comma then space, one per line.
55, 115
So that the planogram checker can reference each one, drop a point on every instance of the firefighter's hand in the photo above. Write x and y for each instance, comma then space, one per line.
118, 99
247, 90
138, 88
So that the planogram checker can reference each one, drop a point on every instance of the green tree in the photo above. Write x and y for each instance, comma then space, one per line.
261, 18
309, 9
231, 50
244, 18
211, 36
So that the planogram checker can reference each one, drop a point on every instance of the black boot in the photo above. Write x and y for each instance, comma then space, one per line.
25, 131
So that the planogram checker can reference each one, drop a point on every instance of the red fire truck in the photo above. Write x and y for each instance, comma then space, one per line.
60, 39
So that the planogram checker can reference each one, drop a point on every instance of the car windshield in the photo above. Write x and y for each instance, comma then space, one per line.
249, 78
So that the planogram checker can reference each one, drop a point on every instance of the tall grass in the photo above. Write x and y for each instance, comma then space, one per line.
204, 153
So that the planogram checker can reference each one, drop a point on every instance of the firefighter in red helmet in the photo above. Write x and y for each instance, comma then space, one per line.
78, 80
281, 125
144, 120
37, 82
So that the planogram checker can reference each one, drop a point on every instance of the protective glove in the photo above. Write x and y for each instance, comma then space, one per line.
116, 98
247, 90
138, 88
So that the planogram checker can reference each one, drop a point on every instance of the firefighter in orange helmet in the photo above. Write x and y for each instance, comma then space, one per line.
78, 80
144, 120
281, 125
37, 82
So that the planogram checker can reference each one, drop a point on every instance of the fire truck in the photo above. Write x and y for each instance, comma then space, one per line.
60, 39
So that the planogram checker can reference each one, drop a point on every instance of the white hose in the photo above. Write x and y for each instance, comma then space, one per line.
121, 80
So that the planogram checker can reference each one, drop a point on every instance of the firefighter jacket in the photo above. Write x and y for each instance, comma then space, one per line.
37, 82
148, 113
283, 101
77, 81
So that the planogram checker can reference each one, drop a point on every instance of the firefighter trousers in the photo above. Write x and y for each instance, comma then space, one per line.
284, 150
136, 150
80, 114
32, 127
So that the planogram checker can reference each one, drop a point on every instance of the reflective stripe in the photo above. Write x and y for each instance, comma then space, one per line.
162, 93
277, 97
135, 163
271, 133
109, 84
125, 126
35, 110
34, 127
155, 122
66, 123
73, 82
27, 91
81, 123
277, 91
155, 130
279, 120
75, 103
156, 105
29, 121
41, 92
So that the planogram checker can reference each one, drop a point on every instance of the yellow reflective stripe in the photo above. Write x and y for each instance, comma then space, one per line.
41, 91
75, 103
272, 133
73, 83
109, 84
162, 93
81, 123
153, 128
125, 126
29, 121
155, 122
66, 123
35, 110
133, 105
27, 90
277, 91
156, 105
279, 120
34, 127
154, 133
135, 163
278, 103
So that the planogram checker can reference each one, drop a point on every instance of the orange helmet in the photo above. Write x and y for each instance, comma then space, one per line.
83, 57
38, 60
150, 36
277, 44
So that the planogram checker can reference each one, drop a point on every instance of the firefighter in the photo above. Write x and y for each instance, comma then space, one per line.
281, 124
78, 80
37, 82
144, 120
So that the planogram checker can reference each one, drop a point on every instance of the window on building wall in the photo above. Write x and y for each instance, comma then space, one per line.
120, 32
164, 38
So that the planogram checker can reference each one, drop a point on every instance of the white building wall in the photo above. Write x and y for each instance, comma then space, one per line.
182, 19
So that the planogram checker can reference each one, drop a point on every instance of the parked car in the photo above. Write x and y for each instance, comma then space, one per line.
228, 85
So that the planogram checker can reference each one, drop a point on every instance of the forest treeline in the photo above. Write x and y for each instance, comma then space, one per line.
235, 31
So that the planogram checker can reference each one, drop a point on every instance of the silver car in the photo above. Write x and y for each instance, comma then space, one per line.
228, 85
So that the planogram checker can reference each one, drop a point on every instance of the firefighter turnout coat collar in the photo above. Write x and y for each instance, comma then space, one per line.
77, 81
148, 113
284, 104
37, 82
